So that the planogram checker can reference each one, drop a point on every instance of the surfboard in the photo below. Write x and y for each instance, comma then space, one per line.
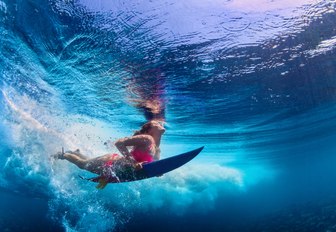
155, 168
163, 166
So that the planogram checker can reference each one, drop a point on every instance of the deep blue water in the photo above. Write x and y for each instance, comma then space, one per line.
253, 81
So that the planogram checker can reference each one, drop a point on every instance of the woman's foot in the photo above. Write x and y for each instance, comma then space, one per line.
76, 152
59, 155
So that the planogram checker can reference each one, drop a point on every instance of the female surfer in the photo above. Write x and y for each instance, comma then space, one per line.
144, 147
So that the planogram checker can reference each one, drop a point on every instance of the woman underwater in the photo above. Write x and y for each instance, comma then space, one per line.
142, 147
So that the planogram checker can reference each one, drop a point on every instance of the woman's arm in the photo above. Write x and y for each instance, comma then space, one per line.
137, 141
122, 148
157, 154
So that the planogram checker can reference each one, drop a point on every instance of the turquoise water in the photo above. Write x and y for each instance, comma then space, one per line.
253, 82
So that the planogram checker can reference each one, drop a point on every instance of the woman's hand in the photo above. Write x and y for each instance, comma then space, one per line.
138, 166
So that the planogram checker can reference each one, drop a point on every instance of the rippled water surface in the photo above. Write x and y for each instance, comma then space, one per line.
252, 81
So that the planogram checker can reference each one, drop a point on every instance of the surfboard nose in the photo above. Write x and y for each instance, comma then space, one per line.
163, 166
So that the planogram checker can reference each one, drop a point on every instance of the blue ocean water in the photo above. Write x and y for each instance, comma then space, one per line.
252, 81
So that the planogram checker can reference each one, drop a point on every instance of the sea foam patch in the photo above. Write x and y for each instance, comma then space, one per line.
194, 184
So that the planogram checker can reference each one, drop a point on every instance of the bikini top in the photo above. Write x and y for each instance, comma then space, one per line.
142, 156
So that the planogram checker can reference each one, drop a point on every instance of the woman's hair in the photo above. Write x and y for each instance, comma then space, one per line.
144, 129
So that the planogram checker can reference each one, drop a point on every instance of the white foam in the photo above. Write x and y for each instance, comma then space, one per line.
323, 47
197, 184
3, 7
38, 131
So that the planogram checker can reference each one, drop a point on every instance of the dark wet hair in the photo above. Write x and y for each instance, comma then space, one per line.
144, 129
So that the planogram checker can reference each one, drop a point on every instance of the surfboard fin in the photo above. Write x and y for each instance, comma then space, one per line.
102, 183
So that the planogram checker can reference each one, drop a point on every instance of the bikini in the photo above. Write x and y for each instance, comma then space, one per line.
142, 156
109, 168
108, 173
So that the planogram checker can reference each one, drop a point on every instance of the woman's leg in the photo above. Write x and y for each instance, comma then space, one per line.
75, 159
94, 165
77, 152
